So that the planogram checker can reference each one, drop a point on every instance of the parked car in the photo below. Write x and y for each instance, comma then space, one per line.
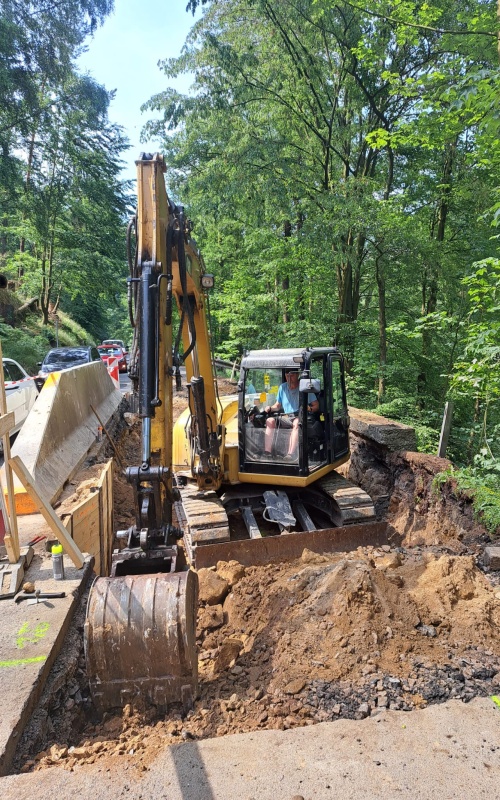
61, 358
118, 343
20, 392
108, 351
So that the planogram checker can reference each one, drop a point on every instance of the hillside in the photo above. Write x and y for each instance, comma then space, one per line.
25, 338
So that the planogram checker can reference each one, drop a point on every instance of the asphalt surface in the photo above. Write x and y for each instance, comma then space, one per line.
444, 751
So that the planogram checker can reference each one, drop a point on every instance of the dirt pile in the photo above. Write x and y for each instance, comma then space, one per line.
321, 638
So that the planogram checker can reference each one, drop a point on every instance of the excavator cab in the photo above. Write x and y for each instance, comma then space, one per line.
321, 422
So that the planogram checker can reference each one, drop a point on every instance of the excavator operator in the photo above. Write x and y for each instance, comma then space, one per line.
287, 402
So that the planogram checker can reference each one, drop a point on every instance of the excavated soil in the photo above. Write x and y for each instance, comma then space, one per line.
323, 637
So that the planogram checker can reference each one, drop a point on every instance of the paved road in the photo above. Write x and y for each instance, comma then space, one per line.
125, 383
445, 752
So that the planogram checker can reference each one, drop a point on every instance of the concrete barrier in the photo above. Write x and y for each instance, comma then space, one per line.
61, 428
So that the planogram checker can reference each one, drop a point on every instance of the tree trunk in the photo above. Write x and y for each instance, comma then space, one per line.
285, 282
382, 331
430, 279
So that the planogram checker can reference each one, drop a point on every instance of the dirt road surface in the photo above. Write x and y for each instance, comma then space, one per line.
449, 751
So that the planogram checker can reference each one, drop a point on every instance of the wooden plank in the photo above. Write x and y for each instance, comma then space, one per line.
85, 509
86, 528
303, 517
47, 512
7, 421
11, 538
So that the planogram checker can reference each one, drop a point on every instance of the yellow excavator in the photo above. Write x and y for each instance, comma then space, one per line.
222, 478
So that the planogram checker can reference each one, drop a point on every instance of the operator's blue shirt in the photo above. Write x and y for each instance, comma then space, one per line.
289, 398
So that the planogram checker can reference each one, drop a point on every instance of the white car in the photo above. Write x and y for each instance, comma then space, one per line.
20, 392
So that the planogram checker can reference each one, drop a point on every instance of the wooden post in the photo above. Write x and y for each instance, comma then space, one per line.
11, 538
47, 512
445, 429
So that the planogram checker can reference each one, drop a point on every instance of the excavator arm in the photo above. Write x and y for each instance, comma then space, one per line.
140, 626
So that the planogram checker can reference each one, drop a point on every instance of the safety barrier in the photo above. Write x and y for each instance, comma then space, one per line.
62, 427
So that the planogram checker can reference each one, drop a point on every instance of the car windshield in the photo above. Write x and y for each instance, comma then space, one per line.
110, 351
67, 356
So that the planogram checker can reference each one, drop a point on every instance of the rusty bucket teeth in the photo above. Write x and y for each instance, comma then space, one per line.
140, 641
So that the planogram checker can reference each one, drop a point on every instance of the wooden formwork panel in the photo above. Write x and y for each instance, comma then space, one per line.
105, 486
90, 523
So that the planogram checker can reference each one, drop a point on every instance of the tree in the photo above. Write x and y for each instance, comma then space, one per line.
73, 205
336, 124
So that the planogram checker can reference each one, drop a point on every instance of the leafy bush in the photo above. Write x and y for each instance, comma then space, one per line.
22, 346
481, 482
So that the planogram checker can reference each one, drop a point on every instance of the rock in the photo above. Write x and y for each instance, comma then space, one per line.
56, 752
389, 561
393, 435
427, 630
81, 752
212, 587
363, 711
296, 686
491, 558
308, 557
232, 703
230, 571
28, 587
211, 617
229, 650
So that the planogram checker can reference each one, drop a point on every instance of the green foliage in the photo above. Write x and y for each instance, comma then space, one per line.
481, 482
22, 346
478, 372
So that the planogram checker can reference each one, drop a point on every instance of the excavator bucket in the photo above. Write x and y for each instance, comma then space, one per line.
140, 642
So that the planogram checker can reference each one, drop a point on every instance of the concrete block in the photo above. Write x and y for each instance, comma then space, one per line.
387, 432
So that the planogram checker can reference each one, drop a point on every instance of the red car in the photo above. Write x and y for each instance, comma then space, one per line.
109, 351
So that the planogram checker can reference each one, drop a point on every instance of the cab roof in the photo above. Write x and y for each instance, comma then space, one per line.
283, 357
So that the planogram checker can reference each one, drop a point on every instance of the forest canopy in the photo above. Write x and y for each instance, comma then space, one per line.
341, 164
62, 204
